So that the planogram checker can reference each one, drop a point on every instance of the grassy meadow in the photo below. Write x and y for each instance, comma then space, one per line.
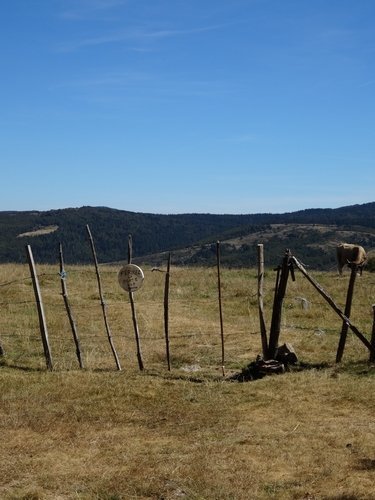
190, 433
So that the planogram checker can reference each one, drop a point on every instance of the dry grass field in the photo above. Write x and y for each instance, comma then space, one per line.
190, 433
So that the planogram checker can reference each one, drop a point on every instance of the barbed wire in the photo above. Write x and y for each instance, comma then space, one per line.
231, 337
17, 303
27, 278
34, 337
94, 301
21, 280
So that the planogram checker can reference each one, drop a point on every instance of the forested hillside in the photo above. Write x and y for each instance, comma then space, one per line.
313, 243
153, 233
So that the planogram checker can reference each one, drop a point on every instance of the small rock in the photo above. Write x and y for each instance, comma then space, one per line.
191, 368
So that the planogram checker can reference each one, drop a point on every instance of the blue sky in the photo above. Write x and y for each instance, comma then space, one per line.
175, 106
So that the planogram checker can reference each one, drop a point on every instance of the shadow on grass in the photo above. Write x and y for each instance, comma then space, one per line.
254, 371
21, 368
302, 366
172, 375
359, 368
366, 464
248, 373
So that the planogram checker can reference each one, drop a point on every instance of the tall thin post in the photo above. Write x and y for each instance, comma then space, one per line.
134, 315
277, 306
130, 249
166, 311
220, 307
263, 331
331, 302
102, 302
39, 304
348, 307
68, 308
372, 354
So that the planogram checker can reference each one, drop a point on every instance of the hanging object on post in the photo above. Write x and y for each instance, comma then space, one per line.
131, 277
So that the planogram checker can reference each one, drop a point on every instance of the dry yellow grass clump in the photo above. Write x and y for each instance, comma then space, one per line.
189, 433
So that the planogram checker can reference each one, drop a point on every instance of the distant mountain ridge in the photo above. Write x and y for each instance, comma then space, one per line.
156, 233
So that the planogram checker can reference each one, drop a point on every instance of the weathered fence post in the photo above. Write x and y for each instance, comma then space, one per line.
68, 308
277, 306
39, 304
102, 302
372, 354
263, 331
348, 307
134, 315
337, 310
220, 308
166, 311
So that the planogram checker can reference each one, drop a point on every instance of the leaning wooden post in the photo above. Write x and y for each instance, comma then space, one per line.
337, 310
220, 307
263, 331
39, 304
134, 315
166, 311
277, 306
68, 308
102, 302
348, 307
372, 354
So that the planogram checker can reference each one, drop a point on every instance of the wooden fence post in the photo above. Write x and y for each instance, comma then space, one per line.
134, 315
102, 302
166, 311
372, 354
348, 307
39, 304
277, 306
68, 308
220, 307
263, 331
337, 310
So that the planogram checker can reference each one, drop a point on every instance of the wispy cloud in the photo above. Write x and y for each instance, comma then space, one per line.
154, 86
133, 35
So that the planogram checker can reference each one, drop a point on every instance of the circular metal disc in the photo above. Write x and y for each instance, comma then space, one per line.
130, 277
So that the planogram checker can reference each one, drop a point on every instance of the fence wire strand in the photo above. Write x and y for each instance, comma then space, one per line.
209, 340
